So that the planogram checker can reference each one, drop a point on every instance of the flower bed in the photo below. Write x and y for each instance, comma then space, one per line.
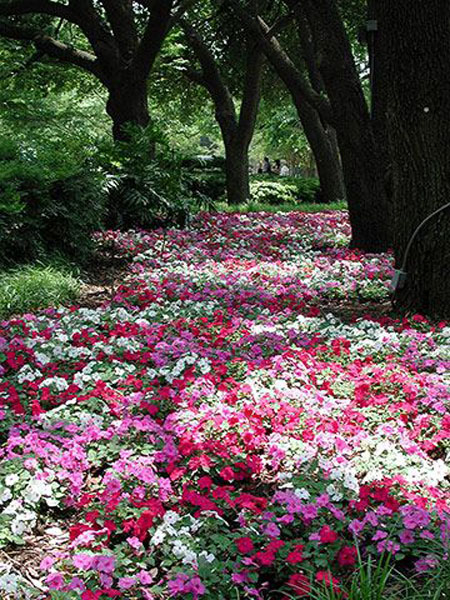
215, 428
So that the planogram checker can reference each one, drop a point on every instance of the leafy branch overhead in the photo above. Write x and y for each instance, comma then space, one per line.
119, 42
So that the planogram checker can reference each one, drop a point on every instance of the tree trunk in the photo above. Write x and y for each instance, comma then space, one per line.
237, 171
360, 157
418, 108
325, 152
378, 57
127, 104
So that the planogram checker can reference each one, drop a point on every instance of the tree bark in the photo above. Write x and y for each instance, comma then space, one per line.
237, 130
323, 146
360, 156
378, 57
418, 108
127, 104
237, 172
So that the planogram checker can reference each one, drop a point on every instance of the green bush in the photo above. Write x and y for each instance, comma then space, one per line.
49, 202
33, 287
208, 183
144, 189
266, 189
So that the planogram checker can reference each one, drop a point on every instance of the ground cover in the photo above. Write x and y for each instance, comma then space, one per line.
215, 430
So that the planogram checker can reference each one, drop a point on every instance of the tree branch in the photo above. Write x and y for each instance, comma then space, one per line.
212, 80
121, 18
251, 92
9, 8
54, 48
101, 40
293, 77
153, 37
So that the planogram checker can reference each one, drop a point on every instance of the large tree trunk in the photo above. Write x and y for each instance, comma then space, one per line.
418, 112
324, 148
127, 104
379, 83
237, 171
360, 157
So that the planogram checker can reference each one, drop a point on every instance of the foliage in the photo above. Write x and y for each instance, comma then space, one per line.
145, 181
256, 207
49, 202
33, 287
279, 132
268, 189
207, 178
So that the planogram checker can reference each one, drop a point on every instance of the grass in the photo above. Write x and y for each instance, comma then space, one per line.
32, 287
276, 208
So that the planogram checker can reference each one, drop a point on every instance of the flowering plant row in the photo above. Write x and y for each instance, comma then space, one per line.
214, 428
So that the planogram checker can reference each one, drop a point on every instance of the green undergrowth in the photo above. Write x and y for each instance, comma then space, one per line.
33, 287
262, 207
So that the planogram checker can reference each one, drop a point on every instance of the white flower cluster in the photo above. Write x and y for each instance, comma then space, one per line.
180, 538
21, 497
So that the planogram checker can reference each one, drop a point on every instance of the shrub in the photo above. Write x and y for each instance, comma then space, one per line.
144, 190
209, 183
286, 190
33, 287
48, 203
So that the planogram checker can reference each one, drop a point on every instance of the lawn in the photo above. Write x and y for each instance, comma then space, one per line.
245, 419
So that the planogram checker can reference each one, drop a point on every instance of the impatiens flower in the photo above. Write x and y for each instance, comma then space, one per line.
406, 536
84, 561
126, 583
47, 563
135, 543
145, 578
104, 563
244, 545
272, 530
327, 535
212, 416
296, 555
55, 581
347, 556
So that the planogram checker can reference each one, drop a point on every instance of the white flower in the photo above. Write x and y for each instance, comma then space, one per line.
302, 493
171, 517
158, 537
5, 495
8, 583
18, 527
11, 479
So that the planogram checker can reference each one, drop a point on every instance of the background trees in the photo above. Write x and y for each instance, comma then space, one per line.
220, 78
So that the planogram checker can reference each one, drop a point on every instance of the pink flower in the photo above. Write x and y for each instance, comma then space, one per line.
83, 561
125, 583
55, 581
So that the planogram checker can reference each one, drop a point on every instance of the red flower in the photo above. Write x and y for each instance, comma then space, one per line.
244, 545
300, 584
227, 473
296, 555
347, 556
327, 535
